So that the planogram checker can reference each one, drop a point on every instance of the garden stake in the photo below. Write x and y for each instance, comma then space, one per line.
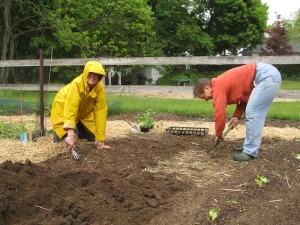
219, 138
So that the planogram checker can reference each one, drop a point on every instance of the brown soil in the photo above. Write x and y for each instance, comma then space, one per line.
155, 178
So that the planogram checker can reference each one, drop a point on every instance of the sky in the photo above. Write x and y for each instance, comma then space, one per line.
286, 8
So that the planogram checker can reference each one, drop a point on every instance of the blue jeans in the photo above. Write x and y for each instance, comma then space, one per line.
267, 82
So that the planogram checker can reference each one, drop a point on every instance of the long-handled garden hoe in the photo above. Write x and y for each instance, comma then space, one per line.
220, 139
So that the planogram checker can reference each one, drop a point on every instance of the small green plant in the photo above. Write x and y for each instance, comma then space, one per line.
260, 180
231, 202
12, 130
146, 120
275, 174
213, 213
297, 156
160, 125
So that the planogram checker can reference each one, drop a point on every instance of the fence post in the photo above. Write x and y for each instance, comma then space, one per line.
119, 78
110, 74
42, 108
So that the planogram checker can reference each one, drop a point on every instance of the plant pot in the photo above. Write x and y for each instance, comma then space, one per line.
145, 129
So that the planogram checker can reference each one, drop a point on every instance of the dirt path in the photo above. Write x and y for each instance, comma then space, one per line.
181, 92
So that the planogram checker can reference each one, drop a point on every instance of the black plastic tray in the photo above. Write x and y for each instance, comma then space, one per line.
187, 131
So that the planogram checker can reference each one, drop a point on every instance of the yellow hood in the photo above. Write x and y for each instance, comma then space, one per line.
94, 67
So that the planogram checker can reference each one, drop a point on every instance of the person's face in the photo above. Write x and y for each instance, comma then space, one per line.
206, 95
92, 79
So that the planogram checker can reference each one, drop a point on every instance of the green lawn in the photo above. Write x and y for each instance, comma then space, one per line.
22, 102
193, 107
290, 84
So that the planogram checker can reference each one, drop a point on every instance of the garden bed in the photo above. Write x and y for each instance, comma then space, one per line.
152, 178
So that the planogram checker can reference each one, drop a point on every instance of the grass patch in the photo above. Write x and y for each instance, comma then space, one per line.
290, 85
285, 111
177, 106
198, 107
122, 104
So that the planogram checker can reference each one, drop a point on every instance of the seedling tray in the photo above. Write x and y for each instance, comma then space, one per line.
187, 131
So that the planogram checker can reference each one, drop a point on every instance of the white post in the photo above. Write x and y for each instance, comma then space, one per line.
110, 74
119, 78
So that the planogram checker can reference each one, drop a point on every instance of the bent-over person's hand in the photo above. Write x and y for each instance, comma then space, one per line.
234, 121
101, 145
70, 139
219, 139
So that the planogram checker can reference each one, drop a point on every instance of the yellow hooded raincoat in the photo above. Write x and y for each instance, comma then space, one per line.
76, 102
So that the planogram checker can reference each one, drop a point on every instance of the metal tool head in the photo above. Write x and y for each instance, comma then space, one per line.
134, 128
75, 155
220, 138
215, 144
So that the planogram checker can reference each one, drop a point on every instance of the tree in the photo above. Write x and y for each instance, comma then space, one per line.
86, 28
19, 20
294, 29
234, 24
208, 27
276, 42
178, 30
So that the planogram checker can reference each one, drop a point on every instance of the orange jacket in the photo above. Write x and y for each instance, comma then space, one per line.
232, 87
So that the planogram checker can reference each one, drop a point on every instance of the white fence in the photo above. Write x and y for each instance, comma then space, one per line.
193, 60
154, 61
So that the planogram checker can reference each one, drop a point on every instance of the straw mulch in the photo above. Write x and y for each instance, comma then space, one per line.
44, 148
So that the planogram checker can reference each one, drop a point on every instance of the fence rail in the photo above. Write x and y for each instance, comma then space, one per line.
198, 60
193, 60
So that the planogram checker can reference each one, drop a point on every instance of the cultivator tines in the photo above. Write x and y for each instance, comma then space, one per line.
187, 131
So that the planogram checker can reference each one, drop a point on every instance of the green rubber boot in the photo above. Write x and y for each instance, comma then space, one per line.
238, 149
242, 156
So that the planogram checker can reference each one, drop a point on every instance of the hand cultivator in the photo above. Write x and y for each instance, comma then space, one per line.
75, 154
220, 138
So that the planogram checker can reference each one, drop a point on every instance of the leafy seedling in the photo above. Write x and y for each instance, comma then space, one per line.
146, 120
231, 202
275, 174
297, 156
213, 213
260, 180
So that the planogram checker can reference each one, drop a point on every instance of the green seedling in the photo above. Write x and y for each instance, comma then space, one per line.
260, 180
160, 125
231, 202
297, 156
213, 213
275, 174
146, 119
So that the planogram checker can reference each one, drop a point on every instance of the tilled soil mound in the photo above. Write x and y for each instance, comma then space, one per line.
155, 178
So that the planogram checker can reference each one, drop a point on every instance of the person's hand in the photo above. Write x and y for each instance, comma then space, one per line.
70, 139
219, 139
233, 121
101, 145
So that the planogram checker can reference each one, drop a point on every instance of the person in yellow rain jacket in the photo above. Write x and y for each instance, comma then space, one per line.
80, 107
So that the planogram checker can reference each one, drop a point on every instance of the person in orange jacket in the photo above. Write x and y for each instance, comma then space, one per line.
252, 87
80, 107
